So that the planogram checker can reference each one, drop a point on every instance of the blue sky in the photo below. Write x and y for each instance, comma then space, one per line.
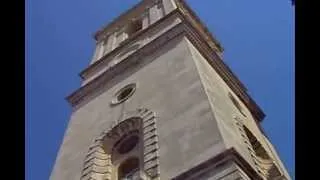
258, 37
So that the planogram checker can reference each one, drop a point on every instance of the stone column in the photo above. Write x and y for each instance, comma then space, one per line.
154, 14
95, 54
108, 46
169, 5
121, 36
98, 52
113, 40
145, 19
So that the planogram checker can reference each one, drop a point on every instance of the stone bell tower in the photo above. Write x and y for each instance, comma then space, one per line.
158, 102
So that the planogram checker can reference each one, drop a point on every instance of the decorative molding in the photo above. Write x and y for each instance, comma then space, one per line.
199, 34
265, 167
133, 59
98, 162
191, 16
197, 39
228, 155
132, 39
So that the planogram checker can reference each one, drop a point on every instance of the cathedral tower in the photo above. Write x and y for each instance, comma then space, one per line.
158, 102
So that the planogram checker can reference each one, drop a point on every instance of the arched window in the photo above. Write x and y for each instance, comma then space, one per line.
266, 164
126, 151
119, 152
128, 168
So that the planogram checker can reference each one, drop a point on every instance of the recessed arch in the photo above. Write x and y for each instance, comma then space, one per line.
261, 157
128, 144
98, 163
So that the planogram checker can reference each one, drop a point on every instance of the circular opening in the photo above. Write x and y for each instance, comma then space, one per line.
128, 144
124, 93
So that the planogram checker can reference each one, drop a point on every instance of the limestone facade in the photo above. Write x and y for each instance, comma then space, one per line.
157, 75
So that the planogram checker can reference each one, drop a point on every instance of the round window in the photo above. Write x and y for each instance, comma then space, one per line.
124, 94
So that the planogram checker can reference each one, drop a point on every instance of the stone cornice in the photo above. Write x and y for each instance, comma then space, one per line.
182, 7
105, 59
83, 92
228, 155
199, 25
197, 39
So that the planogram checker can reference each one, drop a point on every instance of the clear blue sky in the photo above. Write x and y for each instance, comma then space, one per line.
258, 37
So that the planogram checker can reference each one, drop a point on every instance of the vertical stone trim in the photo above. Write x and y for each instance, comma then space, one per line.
99, 51
161, 10
150, 143
109, 44
155, 13
145, 19
169, 5
98, 162
105, 45
95, 55
113, 40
